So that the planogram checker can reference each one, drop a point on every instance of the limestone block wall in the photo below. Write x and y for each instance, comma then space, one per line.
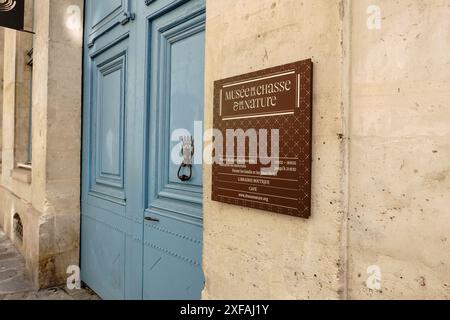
400, 150
15, 194
48, 200
254, 254
381, 183
57, 146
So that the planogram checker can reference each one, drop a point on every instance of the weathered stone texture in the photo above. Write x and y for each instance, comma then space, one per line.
253, 254
380, 193
49, 205
400, 150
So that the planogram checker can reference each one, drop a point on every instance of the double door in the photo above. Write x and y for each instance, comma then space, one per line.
141, 224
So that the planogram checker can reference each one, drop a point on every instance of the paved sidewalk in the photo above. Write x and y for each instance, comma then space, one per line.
15, 283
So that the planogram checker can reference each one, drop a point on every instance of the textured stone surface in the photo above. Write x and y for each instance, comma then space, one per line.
50, 205
381, 193
400, 150
251, 254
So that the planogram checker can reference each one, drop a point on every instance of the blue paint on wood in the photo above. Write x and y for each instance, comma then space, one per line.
143, 79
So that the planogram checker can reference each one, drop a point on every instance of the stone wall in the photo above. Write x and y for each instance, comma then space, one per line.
47, 197
381, 181
57, 137
400, 150
253, 254
15, 187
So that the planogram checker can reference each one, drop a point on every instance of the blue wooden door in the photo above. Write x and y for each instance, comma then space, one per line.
172, 36
143, 90
111, 222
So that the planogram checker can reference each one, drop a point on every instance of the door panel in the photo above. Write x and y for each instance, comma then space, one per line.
186, 101
173, 244
112, 210
102, 16
104, 9
172, 259
109, 73
103, 263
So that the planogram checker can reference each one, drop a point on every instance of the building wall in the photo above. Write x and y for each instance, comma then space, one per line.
15, 187
381, 177
400, 150
254, 254
46, 197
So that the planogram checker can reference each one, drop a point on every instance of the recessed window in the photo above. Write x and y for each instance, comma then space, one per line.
24, 103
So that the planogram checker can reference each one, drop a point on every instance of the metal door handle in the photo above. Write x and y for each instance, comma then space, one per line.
151, 219
187, 152
184, 177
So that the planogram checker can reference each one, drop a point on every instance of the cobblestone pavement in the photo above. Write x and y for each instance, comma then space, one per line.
15, 283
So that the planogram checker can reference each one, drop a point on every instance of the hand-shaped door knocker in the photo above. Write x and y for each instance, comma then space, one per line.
187, 152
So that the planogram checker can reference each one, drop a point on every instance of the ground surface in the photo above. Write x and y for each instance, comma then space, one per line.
15, 283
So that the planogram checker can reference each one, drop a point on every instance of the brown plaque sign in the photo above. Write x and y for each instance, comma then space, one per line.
262, 140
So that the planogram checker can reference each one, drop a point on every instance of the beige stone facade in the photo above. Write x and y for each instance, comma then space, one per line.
399, 157
381, 149
45, 194
381, 180
253, 254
